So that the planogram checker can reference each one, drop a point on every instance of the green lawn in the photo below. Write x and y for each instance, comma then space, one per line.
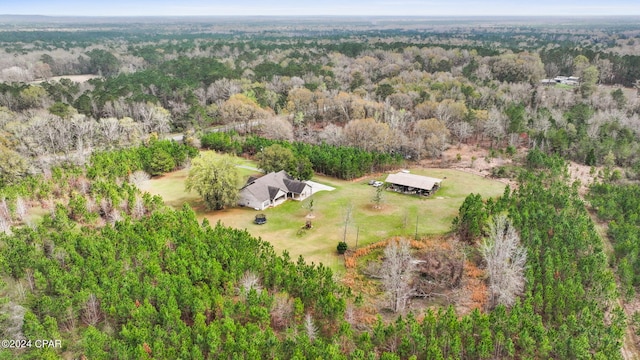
398, 215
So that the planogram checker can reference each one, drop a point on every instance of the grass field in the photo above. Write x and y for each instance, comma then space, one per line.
399, 214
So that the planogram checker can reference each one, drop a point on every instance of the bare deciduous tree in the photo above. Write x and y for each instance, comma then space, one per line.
506, 261
92, 206
368, 134
462, 130
332, 135
114, 216
433, 135
244, 110
276, 127
91, 313
310, 327
69, 321
281, 312
153, 118
83, 185
495, 126
5, 217
249, 281
138, 210
221, 90
109, 128
28, 274
131, 131
350, 315
21, 208
301, 100
449, 111
138, 177
396, 274
5, 225
398, 120
348, 212
13, 318
116, 109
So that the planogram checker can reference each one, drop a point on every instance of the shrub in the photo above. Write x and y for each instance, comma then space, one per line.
342, 247
160, 163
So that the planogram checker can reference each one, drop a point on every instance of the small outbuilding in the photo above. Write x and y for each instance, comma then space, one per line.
405, 183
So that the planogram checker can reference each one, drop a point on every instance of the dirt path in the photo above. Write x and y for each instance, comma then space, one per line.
586, 176
629, 347
471, 159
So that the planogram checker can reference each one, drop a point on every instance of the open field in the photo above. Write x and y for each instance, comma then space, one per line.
398, 215
74, 78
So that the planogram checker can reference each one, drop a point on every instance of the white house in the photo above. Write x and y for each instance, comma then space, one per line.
271, 190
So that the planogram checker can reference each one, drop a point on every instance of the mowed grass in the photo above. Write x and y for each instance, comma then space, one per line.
400, 215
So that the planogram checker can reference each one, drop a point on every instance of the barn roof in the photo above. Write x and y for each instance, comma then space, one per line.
414, 181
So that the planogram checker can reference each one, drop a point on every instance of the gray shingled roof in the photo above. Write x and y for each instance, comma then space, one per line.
266, 187
295, 186
414, 181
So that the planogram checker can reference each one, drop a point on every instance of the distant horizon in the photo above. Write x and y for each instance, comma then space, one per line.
291, 8
326, 16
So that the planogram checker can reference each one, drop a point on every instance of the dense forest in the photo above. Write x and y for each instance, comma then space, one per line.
88, 114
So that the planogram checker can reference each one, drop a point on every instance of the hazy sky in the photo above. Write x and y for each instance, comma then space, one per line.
319, 7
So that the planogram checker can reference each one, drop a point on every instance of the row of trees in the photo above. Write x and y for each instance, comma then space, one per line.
156, 157
338, 161
276, 157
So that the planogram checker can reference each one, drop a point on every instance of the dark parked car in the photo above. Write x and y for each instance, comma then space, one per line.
260, 219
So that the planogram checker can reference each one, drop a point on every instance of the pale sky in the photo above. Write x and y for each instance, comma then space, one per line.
319, 7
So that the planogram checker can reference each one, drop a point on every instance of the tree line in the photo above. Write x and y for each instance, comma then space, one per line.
337, 161
156, 157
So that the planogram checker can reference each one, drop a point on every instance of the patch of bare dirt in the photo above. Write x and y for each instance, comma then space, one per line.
585, 174
381, 208
471, 159
443, 272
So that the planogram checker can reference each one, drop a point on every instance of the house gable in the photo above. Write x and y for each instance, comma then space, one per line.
271, 189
